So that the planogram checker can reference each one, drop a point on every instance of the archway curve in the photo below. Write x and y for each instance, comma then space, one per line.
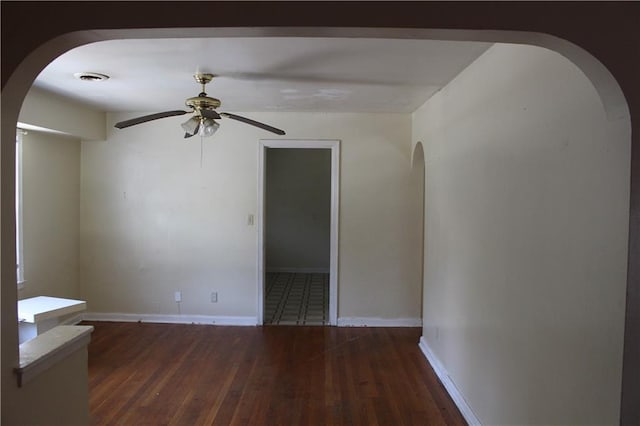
20, 80
611, 94
417, 155
418, 182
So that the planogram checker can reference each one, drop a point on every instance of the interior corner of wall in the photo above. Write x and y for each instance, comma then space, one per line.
51, 113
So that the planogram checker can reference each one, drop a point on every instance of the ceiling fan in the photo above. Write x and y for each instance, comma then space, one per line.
203, 122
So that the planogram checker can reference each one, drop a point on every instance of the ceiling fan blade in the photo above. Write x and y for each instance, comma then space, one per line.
209, 113
253, 123
145, 118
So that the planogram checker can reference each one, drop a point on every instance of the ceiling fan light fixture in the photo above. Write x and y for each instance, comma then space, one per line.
209, 127
191, 125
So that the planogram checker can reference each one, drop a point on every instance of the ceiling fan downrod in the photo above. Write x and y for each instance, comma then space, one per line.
203, 78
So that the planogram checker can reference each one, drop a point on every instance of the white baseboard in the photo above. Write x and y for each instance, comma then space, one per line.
449, 385
379, 322
234, 320
300, 270
171, 319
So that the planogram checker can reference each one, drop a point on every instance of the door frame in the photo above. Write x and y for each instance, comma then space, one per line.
334, 146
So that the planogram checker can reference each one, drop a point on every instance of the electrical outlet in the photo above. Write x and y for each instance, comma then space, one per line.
214, 297
177, 296
250, 220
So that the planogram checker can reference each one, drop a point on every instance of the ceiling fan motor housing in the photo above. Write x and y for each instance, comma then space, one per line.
202, 101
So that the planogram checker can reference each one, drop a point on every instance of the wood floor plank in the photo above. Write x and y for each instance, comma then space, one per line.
173, 374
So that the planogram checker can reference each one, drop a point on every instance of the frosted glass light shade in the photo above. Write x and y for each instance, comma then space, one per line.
209, 127
191, 125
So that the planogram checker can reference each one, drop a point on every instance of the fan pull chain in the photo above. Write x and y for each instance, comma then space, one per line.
201, 144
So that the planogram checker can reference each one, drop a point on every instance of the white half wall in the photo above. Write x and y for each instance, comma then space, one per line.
51, 214
155, 221
527, 189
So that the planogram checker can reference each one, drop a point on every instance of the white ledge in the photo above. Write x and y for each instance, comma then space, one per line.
41, 308
49, 348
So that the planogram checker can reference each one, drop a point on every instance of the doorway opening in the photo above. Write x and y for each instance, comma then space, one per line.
298, 228
417, 182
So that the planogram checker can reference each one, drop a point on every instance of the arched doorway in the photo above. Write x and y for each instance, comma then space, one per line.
508, 18
417, 183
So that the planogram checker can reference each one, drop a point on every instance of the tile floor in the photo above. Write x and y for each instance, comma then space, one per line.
296, 299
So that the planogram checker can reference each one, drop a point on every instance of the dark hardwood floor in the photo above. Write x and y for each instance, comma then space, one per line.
171, 374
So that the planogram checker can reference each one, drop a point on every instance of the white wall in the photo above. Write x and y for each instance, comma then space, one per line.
154, 221
526, 239
51, 214
298, 209
50, 111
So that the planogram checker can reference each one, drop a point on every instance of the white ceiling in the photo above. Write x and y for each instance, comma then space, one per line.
262, 74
